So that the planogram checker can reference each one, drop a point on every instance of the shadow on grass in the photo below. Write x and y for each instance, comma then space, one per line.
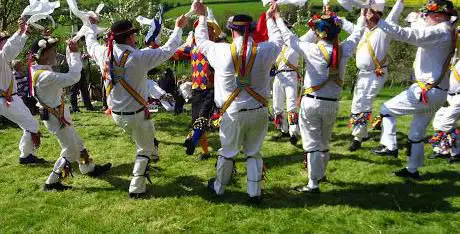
405, 196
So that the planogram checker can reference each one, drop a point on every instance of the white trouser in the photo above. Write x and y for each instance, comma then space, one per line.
317, 119
71, 146
366, 90
142, 132
245, 129
19, 114
446, 118
408, 103
285, 95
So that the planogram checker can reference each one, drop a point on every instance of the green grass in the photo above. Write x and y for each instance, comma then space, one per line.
362, 196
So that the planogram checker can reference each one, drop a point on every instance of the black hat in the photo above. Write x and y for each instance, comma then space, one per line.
239, 22
123, 28
40, 45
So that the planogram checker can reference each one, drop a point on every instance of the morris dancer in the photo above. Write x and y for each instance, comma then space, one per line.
371, 60
242, 86
126, 84
48, 87
286, 72
11, 105
202, 91
325, 63
429, 91
446, 140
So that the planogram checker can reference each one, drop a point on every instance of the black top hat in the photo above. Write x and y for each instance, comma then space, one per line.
123, 28
239, 23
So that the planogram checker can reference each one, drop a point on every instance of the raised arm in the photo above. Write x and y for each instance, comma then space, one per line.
418, 36
290, 39
395, 12
274, 34
153, 57
202, 38
349, 45
97, 51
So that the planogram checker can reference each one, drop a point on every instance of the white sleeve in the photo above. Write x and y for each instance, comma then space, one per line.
154, 89
395, 12
203, 43
310, 36
70, 78
418, 36
349, 45
151, 58
13, 46
274, 34
97, 51
348, 26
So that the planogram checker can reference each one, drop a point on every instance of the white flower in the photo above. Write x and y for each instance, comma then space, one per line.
52, 40
42, 44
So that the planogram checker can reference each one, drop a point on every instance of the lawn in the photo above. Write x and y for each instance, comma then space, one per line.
361, 197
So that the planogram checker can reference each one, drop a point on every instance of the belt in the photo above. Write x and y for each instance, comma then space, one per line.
128, 113
243, 110
372, 70
321, 98
11, 95
437, 87
453, 94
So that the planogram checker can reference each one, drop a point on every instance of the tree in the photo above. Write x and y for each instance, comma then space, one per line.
10, 10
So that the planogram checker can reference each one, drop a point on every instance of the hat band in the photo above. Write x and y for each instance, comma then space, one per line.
126, 31
240, 23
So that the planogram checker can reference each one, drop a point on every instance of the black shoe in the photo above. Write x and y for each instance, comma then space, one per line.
438, 155
74, 110
190, 147
306, 189
211, 186
100, 170
293, 140
257, 200
355, 145
90, 108
137, 196
454, 159
32, 159
405, 173
204, 157
383, 151
56, 186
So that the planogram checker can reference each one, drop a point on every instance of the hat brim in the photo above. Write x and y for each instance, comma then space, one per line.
4, 38
128, 32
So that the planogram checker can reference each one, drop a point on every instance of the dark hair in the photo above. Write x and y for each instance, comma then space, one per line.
122, 30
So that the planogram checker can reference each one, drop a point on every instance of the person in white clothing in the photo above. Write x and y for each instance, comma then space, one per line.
48, 87
371, 60
11, 105
126, 83
241, 91
446, 140
286, 74
429, 91
322, 86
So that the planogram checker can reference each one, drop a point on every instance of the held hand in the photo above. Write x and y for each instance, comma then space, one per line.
199, 8
273, 11
93, 20
23, 26
73, 46
181, 21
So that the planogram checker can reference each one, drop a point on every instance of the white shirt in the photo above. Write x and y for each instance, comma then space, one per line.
50, 85
10, 51
293, 59
220, 57
154, 89
379, 40
434, 45
137, 66
317, 70
454, 86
